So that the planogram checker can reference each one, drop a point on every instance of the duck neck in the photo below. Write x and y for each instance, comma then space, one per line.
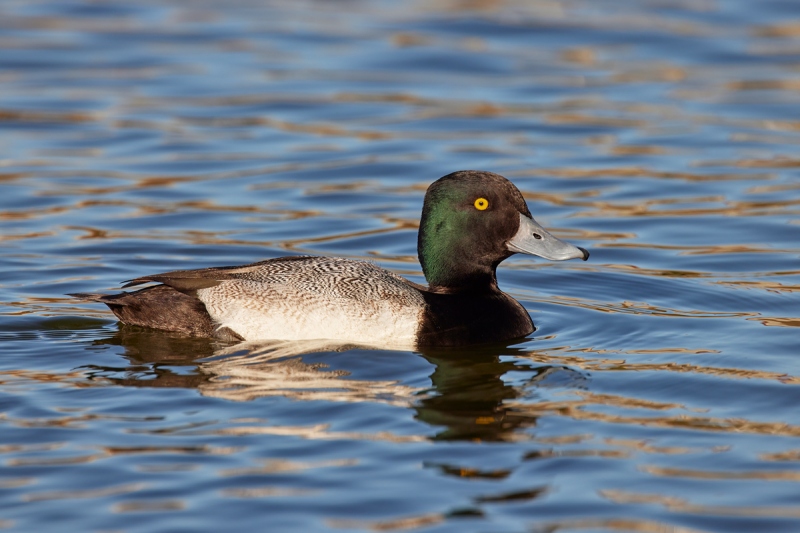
473, 282
448, 258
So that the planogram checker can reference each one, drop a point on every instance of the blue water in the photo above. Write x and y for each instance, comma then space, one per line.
659, 392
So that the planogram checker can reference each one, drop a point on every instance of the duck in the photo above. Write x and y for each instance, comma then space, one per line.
471, 221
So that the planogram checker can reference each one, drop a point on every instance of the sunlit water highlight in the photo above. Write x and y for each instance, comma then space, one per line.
659, 392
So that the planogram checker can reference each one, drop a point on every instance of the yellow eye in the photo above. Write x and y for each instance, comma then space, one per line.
481, 204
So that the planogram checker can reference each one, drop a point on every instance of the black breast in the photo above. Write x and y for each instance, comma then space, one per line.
470, 318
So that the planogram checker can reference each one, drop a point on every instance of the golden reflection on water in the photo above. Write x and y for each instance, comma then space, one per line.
649, 208
267, 492
789, 455
782, 322
677, 504
644, 446
84, 494
399, 524
637, 172
576, 409
622, 524
14, 483
616, 365
314, 432
53, 461
150, 506
275, 466
643, 308
777, 475
769, 286
722, 249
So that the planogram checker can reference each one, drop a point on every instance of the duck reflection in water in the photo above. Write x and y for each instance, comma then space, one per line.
472, 391
468, 398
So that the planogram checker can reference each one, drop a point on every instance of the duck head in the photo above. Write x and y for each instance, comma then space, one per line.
471, 221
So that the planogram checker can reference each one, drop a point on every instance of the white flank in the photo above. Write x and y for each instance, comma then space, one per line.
341, 300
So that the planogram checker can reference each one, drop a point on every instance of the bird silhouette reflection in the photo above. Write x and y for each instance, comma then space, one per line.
471, 395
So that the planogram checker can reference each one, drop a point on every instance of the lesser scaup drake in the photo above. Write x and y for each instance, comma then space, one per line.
471, 221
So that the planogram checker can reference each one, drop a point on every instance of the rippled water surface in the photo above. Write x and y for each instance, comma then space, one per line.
660, 391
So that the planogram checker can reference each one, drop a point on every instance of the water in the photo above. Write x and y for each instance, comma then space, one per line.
659, 392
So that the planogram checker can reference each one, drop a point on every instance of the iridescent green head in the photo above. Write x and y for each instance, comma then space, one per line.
473, 220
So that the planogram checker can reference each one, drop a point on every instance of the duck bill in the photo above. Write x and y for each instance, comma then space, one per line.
533, 239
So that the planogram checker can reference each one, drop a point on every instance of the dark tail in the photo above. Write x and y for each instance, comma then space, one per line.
159, 307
